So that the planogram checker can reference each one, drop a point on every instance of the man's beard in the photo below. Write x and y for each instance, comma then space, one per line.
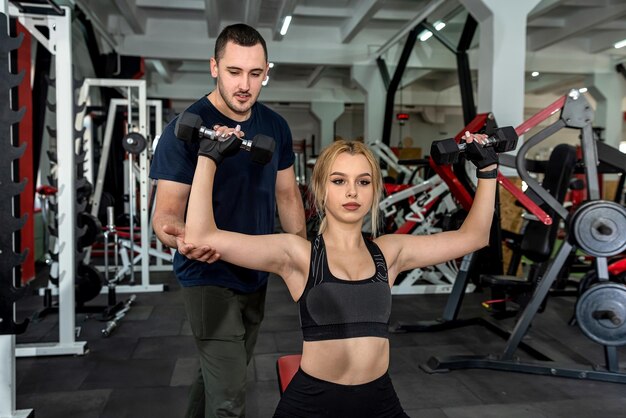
232, 103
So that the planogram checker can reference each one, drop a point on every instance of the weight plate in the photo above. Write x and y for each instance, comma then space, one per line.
601, 313
93, 231
88, 283
598, 226
134, 143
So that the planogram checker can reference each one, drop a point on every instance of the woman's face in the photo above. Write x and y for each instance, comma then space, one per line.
349, 188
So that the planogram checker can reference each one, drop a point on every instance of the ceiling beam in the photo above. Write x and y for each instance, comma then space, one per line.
97, 24
315, 76
212, 15
604, 40
128, 10
252, 11
424, 13
322, 52
365, 9
317, 11
546, 22
547, 83
346, 12
163, 69
543, 8
169, 4
411, 75
445, 82
286, 9
576, 24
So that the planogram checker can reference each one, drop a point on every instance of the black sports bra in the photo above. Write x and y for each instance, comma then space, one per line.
332, 308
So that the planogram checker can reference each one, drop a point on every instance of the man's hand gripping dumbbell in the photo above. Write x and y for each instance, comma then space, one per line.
217, 147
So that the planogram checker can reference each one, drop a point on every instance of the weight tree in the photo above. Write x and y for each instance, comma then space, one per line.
9, 190
58, 20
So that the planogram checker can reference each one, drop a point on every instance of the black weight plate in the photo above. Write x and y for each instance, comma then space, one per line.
134, 143
603, 297
88, 283
598, 228
93, 231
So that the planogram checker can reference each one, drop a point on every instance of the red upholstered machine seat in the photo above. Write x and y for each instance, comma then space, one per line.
286, 367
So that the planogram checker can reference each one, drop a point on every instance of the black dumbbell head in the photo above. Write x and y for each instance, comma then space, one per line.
188, 126
262, 149
445, 151
506, 139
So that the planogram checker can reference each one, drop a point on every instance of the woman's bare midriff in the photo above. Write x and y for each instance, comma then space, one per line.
350, 361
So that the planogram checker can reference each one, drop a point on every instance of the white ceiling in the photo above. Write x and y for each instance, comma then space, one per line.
566, 41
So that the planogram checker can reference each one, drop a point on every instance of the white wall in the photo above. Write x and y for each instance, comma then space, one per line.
302, 124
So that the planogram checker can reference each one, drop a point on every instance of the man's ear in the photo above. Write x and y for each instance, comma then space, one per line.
213, 65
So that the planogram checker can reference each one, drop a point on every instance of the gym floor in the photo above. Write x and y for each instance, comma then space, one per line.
145, 367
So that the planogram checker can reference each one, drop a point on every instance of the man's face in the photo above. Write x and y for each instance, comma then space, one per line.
239, 73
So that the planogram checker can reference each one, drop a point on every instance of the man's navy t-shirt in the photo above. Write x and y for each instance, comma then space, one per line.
244, 193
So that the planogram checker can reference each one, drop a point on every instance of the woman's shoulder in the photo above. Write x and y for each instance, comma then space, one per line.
387, 243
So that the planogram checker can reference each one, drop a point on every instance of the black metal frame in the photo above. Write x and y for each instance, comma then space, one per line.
393, 84
463, 68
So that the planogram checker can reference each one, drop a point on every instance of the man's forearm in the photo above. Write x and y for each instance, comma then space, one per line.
158, 221
291, 214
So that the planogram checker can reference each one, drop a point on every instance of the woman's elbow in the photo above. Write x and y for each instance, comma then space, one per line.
482, 241
196, 238
476, 241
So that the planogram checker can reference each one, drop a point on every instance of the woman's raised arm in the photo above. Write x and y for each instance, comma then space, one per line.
284, 254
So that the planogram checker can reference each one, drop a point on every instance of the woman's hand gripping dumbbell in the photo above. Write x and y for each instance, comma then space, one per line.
481, 151
213, 145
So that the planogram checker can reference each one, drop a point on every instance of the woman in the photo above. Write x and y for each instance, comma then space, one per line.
341, 281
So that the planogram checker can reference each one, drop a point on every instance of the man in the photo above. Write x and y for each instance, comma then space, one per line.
225, 303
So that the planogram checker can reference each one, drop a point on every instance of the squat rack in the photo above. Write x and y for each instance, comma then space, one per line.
144, 166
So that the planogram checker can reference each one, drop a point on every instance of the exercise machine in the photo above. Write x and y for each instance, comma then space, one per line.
594, 228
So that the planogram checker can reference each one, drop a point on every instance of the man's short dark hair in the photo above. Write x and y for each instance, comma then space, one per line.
240, 34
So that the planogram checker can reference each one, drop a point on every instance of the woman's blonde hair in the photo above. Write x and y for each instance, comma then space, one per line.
321, 172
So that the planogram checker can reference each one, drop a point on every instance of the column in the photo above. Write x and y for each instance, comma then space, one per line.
327, 113
502, 56
368, 79
608, 89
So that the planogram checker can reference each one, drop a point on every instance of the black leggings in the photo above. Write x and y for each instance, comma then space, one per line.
310, 397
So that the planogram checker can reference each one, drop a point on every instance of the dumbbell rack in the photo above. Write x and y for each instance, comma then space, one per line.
9, 260
59, 44
576, 113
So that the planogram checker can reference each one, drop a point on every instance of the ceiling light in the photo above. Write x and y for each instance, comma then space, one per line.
425, 35
582, 90
620, 44
271, 65
285, 27
535, 74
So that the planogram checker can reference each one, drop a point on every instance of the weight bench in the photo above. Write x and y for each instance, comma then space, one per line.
286, 368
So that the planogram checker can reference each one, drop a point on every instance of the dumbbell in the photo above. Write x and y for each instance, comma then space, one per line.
447, 151
189, 128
